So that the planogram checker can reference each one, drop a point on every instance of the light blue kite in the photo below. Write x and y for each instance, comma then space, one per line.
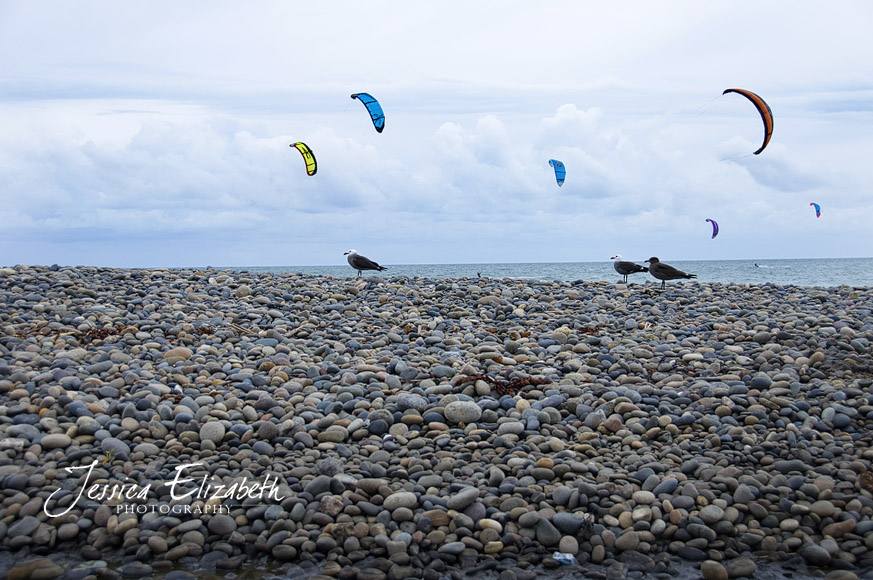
560, 171
374, 108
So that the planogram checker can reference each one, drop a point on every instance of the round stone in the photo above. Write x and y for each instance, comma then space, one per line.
463, 412
115, 448
712, 570
178, 352
741, 567
644, 497
221, 524
815, 555
56, 441
400, 499
627, 541
463, 498
711, 514
568, 545
212, 431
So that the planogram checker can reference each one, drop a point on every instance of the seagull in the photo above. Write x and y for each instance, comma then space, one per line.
626, 268
664, 272
360, 263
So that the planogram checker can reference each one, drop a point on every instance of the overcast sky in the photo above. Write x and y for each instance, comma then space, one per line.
157, 133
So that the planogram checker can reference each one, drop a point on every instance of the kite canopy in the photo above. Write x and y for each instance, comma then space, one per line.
560, 171
714, 227
374, 108
817, 209
308, 157
763, 109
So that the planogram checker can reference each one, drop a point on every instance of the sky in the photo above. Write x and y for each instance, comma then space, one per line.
156, 134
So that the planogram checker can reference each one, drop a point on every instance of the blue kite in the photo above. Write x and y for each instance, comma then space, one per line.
560, 171
817, 209
374, 108
714, 227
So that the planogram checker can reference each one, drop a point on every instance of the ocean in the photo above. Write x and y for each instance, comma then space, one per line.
798, 272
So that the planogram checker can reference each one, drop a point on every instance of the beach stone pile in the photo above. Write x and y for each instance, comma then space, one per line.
389, 428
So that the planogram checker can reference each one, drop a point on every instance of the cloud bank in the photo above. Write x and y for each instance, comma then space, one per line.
146, 140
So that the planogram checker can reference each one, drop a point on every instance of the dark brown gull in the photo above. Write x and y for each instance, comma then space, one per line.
664, 272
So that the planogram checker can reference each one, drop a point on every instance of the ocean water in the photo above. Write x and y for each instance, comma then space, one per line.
854, 272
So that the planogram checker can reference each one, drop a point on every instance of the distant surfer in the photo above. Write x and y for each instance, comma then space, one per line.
757, 266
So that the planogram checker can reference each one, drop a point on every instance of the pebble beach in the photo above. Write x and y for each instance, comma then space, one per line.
167, 423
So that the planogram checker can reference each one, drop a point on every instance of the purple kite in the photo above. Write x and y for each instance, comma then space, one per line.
714, 227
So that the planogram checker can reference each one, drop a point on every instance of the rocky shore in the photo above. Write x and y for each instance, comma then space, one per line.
389, 428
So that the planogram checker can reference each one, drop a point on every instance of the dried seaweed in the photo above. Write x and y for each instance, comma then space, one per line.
503, 386
241, 329
866, 480
587, 524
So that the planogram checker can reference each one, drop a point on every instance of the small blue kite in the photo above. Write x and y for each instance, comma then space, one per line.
560, 171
